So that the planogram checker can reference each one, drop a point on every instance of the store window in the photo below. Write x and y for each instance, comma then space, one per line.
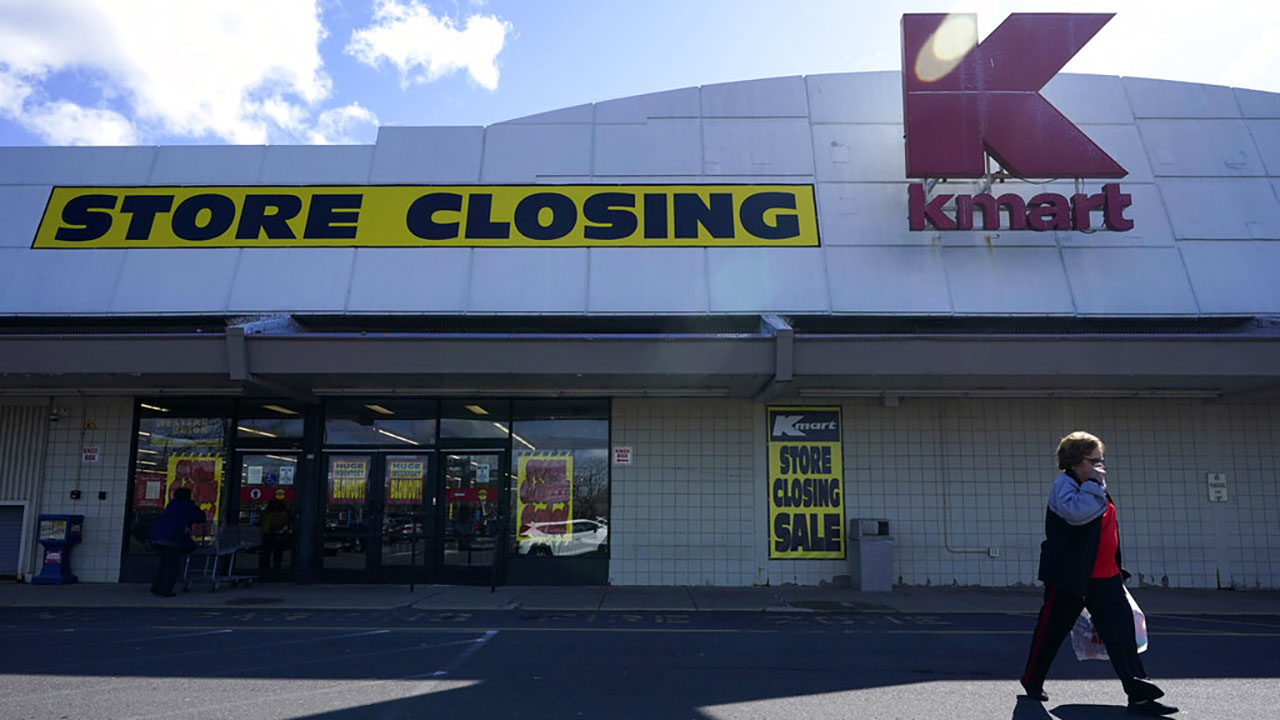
475, 419
385, 422
560, 471
271, 422
181, 443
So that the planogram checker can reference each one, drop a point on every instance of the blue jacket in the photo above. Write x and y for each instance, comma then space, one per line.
173, 527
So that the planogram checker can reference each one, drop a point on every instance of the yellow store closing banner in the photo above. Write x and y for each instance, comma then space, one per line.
430, 216
805, 484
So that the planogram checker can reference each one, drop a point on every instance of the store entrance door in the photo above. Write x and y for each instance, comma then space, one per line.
376, 510
471, 534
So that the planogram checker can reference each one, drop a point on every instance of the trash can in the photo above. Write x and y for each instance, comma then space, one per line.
58, 534
871, 554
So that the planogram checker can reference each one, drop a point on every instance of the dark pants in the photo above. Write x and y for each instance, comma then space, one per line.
271, 554
170, 567
1113, 619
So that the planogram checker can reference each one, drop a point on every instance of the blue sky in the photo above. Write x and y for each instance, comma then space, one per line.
110, 72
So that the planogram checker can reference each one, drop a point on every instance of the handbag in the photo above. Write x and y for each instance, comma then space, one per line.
1089, 646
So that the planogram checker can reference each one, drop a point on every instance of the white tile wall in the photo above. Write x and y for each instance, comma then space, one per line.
957, 478
97, 557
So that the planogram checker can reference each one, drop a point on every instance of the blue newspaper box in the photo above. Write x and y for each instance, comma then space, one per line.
58, 534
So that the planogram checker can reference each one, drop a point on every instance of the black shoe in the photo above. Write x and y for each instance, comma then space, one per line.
1037, 693
1151, 707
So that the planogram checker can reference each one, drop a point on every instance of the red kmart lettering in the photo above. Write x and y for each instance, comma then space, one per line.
1046, 211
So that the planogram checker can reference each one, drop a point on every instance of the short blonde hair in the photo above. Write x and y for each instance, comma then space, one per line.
1073, 448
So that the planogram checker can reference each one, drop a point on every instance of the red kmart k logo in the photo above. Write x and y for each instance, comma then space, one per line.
961, 98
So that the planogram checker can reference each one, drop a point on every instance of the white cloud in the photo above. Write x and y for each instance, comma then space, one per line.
65, 123
243, 71
424, 47
339, 125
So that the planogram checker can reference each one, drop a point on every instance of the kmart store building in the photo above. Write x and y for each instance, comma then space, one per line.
676, 339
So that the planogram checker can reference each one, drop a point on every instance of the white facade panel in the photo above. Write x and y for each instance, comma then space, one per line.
174, 281
878, 214
309, 165
765, 280
427, 155
1124, 145
1258, 104
1146, 211
528, 280
1002, 281
576, 114
636, 280
1168, 99
207, 165
292, 280
21, 208
859, 153
1129, 281
873, 97
658, 147
773, 146
524, 152
1221, 209
772, 97
1201, 148
410, 280
57, 281
1266, 136
1234, 277
887, 280
1089, 99
76, 165
682, 103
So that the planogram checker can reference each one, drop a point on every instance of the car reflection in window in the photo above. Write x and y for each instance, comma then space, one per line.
571, 537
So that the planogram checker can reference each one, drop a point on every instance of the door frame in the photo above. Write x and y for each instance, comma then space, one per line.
494, 574
420, 569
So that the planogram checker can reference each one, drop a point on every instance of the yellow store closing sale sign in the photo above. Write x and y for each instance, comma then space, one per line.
806, 484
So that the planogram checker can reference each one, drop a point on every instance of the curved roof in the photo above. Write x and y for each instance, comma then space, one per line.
1204, 174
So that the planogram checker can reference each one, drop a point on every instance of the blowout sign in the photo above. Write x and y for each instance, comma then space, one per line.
806, 486
544, 490
404, 480
430, 216
963, 101
348, 479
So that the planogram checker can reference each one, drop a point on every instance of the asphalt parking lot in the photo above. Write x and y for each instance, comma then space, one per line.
410, 663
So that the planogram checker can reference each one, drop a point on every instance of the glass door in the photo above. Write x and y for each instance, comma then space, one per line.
471, 483
376, 516
404, 544
267, 501
349, 508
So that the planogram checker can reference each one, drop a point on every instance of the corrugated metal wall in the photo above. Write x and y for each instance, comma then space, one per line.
24, 430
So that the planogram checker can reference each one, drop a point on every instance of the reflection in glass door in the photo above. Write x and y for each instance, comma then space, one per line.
348, 510
471, 484
404, 519
267, 501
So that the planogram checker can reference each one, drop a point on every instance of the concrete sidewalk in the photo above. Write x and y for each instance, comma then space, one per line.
784, 598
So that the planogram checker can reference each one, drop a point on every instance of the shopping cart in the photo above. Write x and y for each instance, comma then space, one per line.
214, 561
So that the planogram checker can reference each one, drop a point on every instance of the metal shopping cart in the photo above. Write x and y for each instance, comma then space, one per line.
214, 561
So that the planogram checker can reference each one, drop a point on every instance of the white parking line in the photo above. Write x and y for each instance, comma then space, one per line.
462, 657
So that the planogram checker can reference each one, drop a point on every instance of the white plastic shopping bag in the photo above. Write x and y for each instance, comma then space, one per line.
1088, 646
